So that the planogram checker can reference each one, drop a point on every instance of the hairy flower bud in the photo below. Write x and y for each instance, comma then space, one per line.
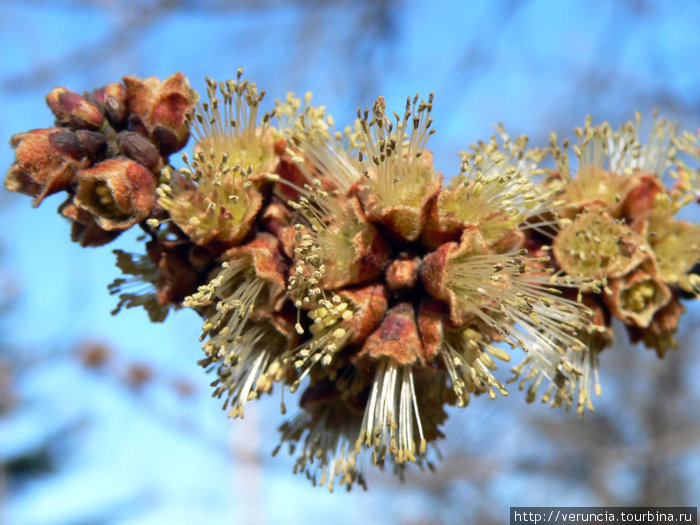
45, 162
113, 98
117, 192
74, 110
158, 110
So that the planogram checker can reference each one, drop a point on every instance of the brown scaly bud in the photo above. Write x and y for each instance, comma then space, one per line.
397, 338
636, 297
84, 229
113, 100
45, 162
139, 148
158, 110
402, 274
659, 335
74, 110
117, 192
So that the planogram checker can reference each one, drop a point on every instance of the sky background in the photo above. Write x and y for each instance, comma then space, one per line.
153, 455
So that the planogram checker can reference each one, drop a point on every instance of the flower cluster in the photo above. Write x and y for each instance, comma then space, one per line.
338, 263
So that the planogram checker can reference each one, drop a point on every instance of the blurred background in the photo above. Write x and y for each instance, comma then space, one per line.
108, 420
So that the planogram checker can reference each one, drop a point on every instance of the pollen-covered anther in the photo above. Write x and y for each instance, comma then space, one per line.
118, 192
637, 296
158, 110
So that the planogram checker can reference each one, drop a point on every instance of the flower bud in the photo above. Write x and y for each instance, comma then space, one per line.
140, 149
397, 337
113, 100
74, 110
45, 162
158, 110
117, 192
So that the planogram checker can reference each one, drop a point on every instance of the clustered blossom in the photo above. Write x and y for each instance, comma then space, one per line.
338, 263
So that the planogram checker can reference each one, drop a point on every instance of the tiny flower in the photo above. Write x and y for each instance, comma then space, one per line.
465, 353
494, 191
216, 199
347, 318
402, 273
676, 248
74, 110
637, 296
113, 98
251, 281
347, 246
325, 431
158, 110
509, 294
400, 179
118, 193
596, 246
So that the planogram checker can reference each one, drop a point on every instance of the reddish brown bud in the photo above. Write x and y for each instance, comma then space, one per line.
45, 162
117, 192
158, 110
74, 110
140, 149
113, 100
94, 143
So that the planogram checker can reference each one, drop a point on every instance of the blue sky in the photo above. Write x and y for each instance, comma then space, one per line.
536, 66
